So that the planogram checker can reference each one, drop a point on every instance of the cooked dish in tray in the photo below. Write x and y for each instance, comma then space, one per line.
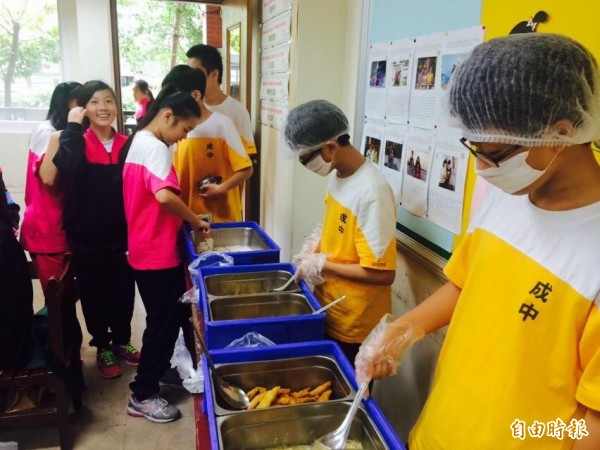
261, 398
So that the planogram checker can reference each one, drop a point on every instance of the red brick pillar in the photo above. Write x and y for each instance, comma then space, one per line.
214, 26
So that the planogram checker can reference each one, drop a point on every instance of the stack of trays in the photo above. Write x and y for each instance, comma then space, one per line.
294, 366
247, 243
237, 300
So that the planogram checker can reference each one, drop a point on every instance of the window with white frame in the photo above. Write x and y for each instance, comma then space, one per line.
29, 58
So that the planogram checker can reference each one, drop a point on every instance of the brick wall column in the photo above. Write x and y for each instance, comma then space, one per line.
214, 26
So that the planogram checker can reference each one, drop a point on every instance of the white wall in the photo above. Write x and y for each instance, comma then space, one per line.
324, 58
13, 160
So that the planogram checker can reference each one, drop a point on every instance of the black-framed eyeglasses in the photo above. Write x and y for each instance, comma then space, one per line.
305, 159
489, 160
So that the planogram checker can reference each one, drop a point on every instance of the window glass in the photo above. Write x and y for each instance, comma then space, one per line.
153, 37
29, 58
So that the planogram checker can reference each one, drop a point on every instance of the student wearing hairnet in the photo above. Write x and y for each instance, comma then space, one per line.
520, 365
355, 255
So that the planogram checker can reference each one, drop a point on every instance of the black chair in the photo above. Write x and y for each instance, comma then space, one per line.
62, 373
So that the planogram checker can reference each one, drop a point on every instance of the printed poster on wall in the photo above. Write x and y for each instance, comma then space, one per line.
275, 86
391, 160
270, 8
277, 29
400, 59
456, 46
276, 59
447, 182
425, 85
428, 177
418, 152
376, 85
273, 114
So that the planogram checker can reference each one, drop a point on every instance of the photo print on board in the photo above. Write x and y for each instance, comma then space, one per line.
377, 78
425, 73
372, 148
393, 155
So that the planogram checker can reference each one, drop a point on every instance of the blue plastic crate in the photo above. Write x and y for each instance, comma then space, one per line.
280, 329
265, 256
328, 348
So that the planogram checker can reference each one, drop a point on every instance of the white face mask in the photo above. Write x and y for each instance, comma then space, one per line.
513, 174
319, 166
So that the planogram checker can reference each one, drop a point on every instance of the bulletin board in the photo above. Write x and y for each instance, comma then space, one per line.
391, 20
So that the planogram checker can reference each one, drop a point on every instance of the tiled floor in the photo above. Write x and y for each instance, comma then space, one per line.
103, 422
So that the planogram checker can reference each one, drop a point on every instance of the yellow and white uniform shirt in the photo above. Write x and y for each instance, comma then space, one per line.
358, 228
213, 148
241, 119
522, 352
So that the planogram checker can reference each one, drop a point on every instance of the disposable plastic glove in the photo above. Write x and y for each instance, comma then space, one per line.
309, 268
309, 246
384, 348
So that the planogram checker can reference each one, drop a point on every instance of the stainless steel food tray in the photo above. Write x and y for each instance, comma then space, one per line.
274, 304
294, 426
293, 373
246, 283
225, 237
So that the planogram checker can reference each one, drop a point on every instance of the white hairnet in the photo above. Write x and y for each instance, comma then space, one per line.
515, 89
312, 124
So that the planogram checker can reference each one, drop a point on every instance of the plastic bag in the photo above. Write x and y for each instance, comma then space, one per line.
251, 339
190, 296
193, 379
208, 259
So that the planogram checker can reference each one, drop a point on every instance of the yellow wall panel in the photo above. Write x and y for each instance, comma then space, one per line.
575, 18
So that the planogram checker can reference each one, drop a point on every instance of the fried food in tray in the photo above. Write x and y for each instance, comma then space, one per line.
261, 397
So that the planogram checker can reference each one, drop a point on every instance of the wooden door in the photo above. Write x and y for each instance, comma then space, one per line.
238, 18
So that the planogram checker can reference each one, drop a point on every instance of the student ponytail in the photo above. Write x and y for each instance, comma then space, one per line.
59, 103
181, 103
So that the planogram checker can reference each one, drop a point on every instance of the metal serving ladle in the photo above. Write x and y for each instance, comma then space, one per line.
326, 307
286, 285
338, 437
232, 394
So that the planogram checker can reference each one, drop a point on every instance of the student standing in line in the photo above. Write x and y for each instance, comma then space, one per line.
212, 148
42, 233
155, 214
520, 364
356, 252
87, 161
208, 59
